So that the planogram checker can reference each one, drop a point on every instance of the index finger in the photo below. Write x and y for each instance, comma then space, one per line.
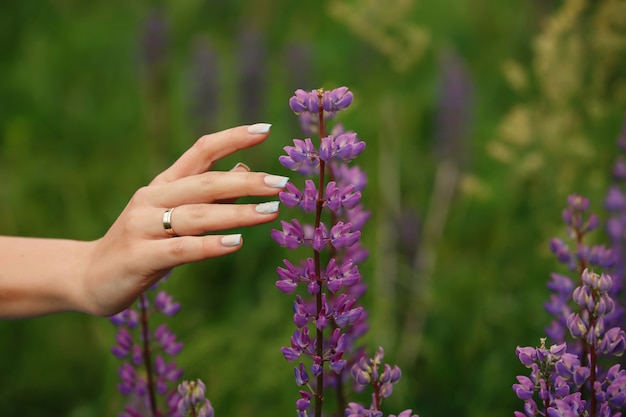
210, 148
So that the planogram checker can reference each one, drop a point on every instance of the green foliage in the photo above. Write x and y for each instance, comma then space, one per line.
84, 122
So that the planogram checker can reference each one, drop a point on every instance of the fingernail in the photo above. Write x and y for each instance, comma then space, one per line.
241, 165
276, 181
259, 128
231, 240
267, 208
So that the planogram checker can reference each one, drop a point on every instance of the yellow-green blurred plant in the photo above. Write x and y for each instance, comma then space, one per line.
387, 26
571, 84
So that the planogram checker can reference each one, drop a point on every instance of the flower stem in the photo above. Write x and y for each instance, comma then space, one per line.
319, 389
146, 354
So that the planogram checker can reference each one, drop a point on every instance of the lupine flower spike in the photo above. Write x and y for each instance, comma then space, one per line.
192, 402
326, 312
146, 375
567, 380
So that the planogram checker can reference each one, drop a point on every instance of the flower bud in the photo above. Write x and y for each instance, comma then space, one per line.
578, 202
304, 401
301, 375
576, 325
592, 223
613, 342
605, 305
583, 297
605, 283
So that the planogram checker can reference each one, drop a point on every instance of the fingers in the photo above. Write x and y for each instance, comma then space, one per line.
210, 148
240, 167
198, 219
213, 186
186, 249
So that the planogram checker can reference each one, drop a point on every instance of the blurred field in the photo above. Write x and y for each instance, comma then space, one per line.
480, 118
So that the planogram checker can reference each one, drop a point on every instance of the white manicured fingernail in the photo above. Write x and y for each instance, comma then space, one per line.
241, 165
259, 128
267, 208
231, 240
276, 181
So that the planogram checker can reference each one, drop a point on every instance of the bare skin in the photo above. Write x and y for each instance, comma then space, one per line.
104, 276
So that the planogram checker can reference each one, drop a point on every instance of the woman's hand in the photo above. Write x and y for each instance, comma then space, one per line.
105, 276
138, 250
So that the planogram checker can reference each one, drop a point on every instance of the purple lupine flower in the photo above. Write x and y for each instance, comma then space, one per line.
124, 343
167, 340
454, 104
306, 199
191, 400
329, 311
146, 377
366, 372
563, 375
562, 252
155, 38
304, 101
128, 317
165, 304
340, 276
579, 222
553, 374
337, 99
341, 235
347, 146
292, 235
345, 197
301, 157
344, 147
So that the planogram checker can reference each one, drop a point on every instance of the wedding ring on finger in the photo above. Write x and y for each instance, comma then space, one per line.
167, 222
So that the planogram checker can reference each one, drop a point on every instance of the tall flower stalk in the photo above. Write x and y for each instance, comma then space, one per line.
327, 316
147, 377
569, 380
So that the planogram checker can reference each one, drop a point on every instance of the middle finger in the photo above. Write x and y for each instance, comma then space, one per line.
214, 186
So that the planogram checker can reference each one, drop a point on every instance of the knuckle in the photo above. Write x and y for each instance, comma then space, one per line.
201, 142
195, 213
141, 195
207, 248
133, 222
208, 180
176, 248
245, 212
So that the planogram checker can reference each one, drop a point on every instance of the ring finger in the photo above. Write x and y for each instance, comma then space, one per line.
199, 219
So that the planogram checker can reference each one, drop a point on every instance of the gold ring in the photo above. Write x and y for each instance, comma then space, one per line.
167, 222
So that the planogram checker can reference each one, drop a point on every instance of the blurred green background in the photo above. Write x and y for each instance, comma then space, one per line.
480, 117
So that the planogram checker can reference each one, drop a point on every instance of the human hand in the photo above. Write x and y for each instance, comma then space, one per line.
137, 250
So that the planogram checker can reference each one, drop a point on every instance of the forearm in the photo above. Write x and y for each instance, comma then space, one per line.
41, 276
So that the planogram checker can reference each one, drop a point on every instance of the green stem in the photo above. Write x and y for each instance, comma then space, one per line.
319, 389
146, 354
